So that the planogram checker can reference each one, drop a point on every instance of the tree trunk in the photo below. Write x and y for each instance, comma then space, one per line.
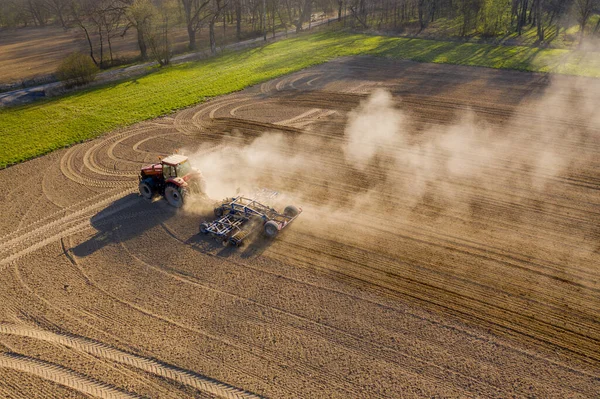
540, 28
522, 17
238, 19
421, 10
340, 5
192, 37
89, 40
142, 44
264, 20
101, 48
109, 48
211, 35
61, 19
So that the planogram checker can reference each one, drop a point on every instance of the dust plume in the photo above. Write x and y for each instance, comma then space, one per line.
371, 128
379, 162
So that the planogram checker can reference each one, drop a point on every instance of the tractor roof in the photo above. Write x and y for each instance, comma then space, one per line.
174, 159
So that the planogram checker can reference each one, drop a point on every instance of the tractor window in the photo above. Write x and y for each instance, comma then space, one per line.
183, 168
167, 171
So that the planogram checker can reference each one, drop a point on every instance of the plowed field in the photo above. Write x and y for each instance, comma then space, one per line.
449, 245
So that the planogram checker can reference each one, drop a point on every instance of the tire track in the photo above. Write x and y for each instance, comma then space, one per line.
343, 384
101, 350
288, 255
462, 299
53, 231
386, 353
63, 376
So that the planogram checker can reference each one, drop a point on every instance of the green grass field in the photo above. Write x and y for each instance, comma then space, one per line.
32, 130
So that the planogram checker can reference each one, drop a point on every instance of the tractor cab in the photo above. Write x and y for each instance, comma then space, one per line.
176, 166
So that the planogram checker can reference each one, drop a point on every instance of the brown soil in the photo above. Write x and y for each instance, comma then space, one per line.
477, 286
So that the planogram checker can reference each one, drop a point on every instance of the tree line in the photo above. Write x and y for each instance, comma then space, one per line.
489, 18
101, 21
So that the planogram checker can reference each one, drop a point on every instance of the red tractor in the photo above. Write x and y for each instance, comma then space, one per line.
174, 178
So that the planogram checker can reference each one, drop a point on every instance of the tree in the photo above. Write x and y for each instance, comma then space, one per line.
300, 8
216, 9
81, 12
102, 18
583, 12
59, 9
194, 16
38, 11
140, 15
238, 19
76, 70
359, 11
161, 24
340, 7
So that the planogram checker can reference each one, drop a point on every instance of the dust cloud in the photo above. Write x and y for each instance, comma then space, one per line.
383, 157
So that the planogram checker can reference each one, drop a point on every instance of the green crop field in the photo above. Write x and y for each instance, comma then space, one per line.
32, 130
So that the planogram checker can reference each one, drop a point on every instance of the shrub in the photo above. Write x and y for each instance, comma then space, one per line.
76, 70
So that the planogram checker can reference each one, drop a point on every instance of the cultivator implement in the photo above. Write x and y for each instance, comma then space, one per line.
238, 216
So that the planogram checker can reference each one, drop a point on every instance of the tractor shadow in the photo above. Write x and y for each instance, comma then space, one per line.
132, 216
123, 220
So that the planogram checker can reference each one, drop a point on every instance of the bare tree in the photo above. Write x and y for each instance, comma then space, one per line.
111, 15
583, 12
194, 12
159, 42
215, 11
360, 13
59, 9
139, 15
300, 8
38, 10
81, 12
238, 19
99, 20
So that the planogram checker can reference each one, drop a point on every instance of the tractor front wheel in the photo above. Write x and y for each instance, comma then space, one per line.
174, 195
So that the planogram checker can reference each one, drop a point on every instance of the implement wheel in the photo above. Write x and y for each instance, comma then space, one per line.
204, 228
271, 229
291, 211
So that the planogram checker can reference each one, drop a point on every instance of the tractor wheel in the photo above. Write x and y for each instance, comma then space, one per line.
291, 211
204, 228
271, 229
174, 195
146, 189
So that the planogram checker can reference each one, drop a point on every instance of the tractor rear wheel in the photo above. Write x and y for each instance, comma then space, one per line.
146, 189
174, 195
271, 229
